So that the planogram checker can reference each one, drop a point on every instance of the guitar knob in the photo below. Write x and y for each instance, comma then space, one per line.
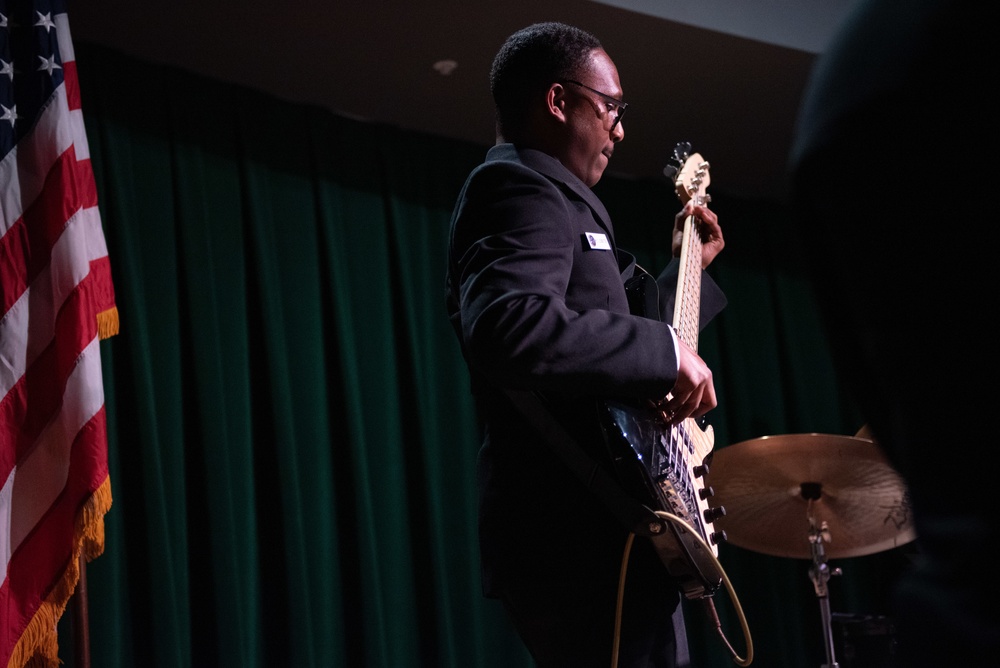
706, 492
718, 537
701, 470
712, 514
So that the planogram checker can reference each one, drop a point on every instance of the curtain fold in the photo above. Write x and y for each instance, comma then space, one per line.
292, 440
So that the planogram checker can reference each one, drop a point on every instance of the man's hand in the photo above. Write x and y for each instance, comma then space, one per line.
694, 392
711, 232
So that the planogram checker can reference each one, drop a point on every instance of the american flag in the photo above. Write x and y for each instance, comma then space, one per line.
57, 303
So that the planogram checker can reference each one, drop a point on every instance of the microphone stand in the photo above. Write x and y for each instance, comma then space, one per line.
820, 574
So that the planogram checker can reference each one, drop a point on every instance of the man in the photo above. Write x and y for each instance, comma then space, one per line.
893, 169
536, 296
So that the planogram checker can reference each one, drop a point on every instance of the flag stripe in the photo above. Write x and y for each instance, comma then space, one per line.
71, 259
24, 168
27, 245
38, 394
42, 473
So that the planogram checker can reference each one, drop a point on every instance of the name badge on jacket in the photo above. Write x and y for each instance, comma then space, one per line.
597, 241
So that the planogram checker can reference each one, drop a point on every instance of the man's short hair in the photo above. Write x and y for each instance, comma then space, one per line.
530, 61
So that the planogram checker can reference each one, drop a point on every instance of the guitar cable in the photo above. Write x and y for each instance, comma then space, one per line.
707, 602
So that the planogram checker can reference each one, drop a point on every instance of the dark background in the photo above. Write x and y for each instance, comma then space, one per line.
725, 75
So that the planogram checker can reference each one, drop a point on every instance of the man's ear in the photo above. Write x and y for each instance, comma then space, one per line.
555, 102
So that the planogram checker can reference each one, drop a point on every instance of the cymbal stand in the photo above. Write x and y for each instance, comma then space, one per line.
820, 574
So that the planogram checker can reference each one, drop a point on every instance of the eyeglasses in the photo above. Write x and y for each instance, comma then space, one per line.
612, 102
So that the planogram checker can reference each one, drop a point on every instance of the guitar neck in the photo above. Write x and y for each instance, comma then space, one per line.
692, 179
687, 303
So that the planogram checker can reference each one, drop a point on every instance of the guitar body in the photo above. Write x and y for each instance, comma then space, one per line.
664, 465
659, 464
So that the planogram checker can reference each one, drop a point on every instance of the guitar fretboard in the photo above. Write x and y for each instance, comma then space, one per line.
687, 303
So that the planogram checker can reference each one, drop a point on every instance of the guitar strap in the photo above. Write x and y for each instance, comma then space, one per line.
637, 517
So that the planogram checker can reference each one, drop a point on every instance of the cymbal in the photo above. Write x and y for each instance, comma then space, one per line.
775, 489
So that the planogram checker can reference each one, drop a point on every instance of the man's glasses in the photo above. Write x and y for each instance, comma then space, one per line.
616, 103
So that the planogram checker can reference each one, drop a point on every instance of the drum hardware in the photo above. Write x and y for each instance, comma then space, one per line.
812, 496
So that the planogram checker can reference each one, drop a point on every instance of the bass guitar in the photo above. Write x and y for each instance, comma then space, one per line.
665, 465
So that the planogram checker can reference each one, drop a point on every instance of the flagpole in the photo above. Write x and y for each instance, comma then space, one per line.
81, 620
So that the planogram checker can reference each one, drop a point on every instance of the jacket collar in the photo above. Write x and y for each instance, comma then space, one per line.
555, 170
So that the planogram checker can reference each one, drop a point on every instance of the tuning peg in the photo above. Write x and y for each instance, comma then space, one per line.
682, 150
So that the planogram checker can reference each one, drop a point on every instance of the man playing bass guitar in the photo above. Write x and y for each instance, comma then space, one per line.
535, 292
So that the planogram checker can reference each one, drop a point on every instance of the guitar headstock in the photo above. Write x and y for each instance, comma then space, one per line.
689, 172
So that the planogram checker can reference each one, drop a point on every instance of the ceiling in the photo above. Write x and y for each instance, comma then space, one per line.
725, 75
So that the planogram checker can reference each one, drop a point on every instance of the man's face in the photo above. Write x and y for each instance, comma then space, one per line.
590, 117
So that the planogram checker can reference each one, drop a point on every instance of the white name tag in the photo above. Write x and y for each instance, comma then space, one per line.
597, 241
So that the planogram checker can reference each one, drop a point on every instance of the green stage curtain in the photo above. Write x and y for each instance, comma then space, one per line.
292, 440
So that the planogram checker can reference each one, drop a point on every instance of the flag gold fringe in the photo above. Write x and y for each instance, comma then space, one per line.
107, 323
38, 646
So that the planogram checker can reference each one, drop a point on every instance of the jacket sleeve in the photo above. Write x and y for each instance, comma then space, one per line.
533, 311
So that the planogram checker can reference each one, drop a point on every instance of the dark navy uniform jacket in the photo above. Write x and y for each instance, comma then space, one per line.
536, 295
